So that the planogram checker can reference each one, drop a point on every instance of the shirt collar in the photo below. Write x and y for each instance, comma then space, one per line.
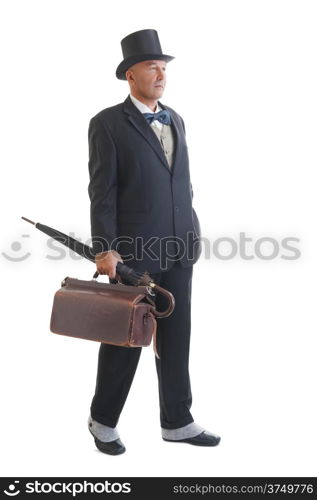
142, 107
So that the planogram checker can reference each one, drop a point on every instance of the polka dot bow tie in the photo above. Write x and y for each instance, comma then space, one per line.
162, 116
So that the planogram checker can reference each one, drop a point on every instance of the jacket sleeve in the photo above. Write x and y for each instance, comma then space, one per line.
102, 187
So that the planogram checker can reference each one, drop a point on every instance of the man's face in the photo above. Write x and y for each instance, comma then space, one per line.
147, 78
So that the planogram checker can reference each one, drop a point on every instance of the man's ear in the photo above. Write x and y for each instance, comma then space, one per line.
128, 73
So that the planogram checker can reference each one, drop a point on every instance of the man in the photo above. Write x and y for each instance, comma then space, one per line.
140, 188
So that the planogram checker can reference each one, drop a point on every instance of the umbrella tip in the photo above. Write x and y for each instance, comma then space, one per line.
27, 220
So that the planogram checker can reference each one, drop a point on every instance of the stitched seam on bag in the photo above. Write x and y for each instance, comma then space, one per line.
131, 323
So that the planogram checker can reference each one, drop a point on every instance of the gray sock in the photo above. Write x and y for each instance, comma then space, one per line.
102, 432
185, 432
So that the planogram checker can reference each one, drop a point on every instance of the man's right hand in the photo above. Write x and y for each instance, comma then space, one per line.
106, 263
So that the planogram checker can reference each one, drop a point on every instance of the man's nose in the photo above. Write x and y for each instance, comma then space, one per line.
161, 74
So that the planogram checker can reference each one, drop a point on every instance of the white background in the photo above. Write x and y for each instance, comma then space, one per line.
244, 81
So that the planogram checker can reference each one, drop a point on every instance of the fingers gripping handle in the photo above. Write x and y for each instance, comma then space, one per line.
124, 271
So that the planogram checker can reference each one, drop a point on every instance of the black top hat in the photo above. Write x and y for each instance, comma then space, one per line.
140, 46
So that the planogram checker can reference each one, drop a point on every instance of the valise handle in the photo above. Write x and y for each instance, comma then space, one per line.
125, 271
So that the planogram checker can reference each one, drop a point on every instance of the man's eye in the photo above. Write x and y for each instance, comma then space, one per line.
154, 67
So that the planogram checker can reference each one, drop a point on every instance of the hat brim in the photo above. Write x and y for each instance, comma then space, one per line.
127, 63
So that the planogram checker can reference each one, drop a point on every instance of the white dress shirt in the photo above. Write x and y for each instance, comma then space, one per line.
145, 109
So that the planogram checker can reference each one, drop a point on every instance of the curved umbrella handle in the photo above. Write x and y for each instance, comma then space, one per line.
171, 303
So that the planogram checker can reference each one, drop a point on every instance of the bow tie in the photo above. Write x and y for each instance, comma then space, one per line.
162, 116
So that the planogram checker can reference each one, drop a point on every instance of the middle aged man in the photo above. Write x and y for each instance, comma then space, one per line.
140, 188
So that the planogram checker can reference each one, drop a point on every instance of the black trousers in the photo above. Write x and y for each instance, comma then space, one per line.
117, 365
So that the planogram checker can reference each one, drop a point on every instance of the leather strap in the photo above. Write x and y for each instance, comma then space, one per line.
154, 340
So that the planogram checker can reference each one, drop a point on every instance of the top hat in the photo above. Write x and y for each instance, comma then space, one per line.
140, 46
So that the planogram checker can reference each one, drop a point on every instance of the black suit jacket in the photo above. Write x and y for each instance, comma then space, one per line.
139, 206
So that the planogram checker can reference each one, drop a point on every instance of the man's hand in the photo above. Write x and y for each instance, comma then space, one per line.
106, 263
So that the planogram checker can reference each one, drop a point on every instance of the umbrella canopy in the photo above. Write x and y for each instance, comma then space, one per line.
130, 275
126, 272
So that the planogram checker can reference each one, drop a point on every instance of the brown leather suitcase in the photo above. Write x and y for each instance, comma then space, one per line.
116, 314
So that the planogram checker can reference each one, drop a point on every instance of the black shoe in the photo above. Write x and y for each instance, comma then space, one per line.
115, 447
202, 439
112, 447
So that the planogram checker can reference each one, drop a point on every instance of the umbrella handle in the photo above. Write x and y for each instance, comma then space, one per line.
171, 303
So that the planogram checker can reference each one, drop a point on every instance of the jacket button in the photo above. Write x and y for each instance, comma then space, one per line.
177, 209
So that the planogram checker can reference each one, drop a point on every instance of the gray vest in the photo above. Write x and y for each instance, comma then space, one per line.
165, 136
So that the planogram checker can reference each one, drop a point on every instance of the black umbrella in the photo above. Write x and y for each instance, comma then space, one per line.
130, 275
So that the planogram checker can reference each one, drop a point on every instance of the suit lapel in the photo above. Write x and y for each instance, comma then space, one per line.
140, 123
